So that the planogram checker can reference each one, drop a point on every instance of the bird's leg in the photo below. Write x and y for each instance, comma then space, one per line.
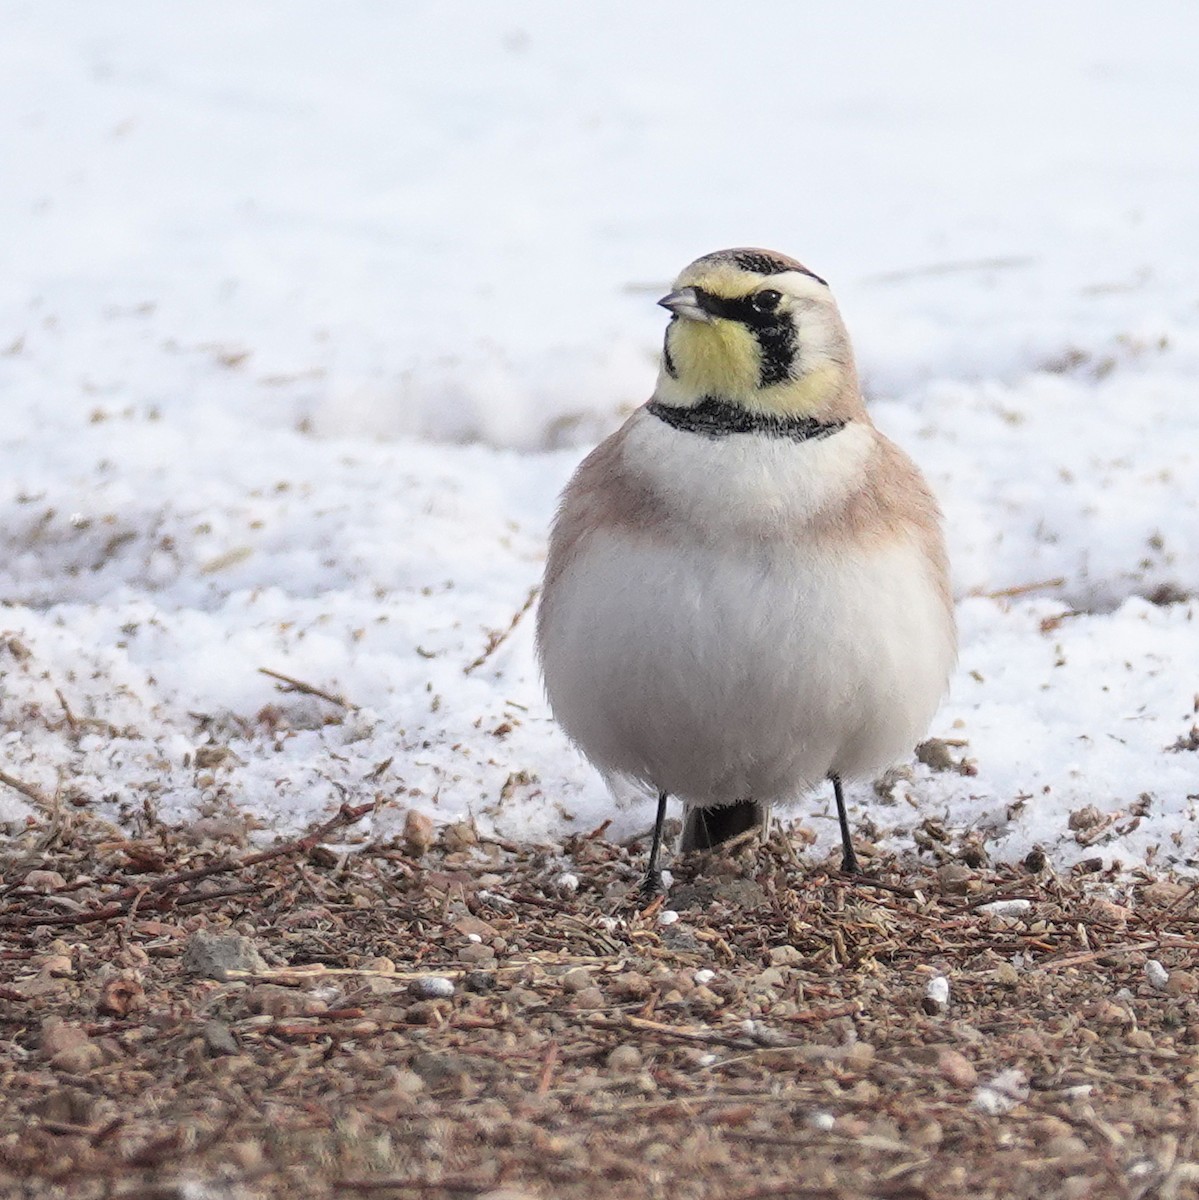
651, 885
849, 860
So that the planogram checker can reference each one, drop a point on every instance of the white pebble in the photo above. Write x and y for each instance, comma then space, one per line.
706, 1060
1001, 1094
667, 879
433, 987
473, 937
823, 1121
703, 975
937, 992
1156, 974
667, 916
1006, 908
567, 882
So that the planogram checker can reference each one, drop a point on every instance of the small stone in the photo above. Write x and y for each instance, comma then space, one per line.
667, 916
43, 881
1006, 908
955, 879
77, 1060
277, 1001
772, 977
382, 964
1002, 1093
419, 833
1156, 975
219, 1039
704, 976
431, 987
859, 1056
406, 1082
577, 979
630, 985
821, 1121
567, 883
426, 1012
928, 1136
590, 997
1139, 1039
957, 1068
1180, 983
476, 952
936, 995
120, 997
214, 955
461, 835
1006, 975
1064, 1146
1164, 892
57, 1035
625, 1057
479, 982
785, 956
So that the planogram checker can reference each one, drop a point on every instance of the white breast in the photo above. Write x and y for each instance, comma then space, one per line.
715, 662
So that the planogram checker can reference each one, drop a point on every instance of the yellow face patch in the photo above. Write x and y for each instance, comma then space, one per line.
724, 358
720, 359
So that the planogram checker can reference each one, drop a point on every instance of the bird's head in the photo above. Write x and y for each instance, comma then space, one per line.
759, 330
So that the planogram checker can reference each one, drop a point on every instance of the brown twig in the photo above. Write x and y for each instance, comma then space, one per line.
496, 640
1021, 589
27, 790
298, 685
120, 903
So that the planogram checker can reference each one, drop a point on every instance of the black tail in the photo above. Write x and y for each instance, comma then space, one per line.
704, 828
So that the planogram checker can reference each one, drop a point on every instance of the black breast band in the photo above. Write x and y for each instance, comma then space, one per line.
716, 418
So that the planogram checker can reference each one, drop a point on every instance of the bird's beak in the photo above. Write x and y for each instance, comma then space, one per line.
685, 303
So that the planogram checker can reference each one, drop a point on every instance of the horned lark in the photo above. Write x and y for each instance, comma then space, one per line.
746, 591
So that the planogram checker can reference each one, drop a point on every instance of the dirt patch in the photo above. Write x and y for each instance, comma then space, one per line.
460, 1017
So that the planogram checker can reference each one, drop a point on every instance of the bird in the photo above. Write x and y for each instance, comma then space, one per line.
746, 591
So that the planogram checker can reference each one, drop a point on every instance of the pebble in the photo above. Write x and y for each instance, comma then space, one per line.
785, 956
567, 882
1180, 983
476, 952
667, 916
822, 1121
1006, 975
576, 979
43, 881
431, 987
955, 879
1006, 908
590, 997
479, 981
1156, 975
936, 995
630, 985
218, 1039
625, 1057
461, 835
703, 975
957, 1068
419, 833
1002, 1093
214, 955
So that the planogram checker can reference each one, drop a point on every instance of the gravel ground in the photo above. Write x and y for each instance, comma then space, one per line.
185, 1014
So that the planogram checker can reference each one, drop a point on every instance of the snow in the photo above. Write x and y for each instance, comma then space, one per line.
306, 317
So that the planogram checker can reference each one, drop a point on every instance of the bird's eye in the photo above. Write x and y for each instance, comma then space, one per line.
766, 301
